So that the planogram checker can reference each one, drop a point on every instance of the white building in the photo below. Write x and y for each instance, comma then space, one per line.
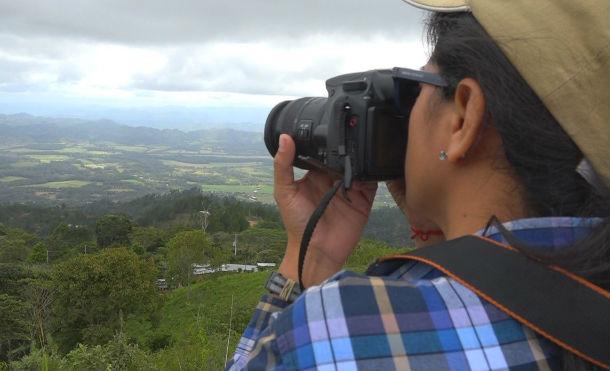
199, 269
238, 268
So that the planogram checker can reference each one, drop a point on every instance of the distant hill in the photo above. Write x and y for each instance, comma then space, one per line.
25, 129
167, 117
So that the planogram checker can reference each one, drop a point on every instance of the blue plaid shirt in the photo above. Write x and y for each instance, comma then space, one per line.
413, 319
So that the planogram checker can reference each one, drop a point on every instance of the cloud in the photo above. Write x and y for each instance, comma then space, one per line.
295, 69
155, 22
199, 51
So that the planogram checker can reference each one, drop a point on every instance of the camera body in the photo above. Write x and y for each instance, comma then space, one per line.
358, 132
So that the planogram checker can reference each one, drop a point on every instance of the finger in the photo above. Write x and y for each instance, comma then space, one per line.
282, 162
364, 186
370, 192
360, 197
321, 180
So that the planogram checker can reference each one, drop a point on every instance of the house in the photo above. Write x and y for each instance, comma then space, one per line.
264, 266
238, 268
199, 269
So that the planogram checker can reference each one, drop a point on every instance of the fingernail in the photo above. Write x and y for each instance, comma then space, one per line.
282, 142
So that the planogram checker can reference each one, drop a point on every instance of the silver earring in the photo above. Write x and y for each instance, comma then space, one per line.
443, 155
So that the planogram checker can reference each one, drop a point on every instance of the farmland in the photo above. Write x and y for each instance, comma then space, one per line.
89, 172
51, 162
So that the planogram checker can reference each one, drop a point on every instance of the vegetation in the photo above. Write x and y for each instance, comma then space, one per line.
84, 296
93, 294
112, 230
99, 212
45, 160
184, 250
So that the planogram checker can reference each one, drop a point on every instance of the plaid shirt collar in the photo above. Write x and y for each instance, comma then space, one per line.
550, 233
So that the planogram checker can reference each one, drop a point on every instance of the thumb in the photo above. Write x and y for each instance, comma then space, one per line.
282, 162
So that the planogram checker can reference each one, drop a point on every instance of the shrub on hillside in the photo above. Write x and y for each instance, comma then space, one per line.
93, 292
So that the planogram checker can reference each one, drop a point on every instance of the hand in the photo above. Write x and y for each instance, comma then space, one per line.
339, 228
397, 190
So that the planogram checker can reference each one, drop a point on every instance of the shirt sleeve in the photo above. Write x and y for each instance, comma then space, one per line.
256, 347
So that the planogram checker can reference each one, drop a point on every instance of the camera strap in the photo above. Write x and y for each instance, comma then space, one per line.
562, 307
311, 226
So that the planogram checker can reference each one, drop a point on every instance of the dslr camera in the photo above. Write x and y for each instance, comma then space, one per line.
360, 131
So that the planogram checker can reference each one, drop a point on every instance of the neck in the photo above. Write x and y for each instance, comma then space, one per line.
471, 204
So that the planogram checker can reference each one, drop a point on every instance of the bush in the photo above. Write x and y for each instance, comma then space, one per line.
38, 359
93, 292
117, 354
159, 341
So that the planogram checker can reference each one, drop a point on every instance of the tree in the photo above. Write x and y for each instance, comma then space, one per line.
25, 304
148, 239
261, 245
113, 230
14, 327
39, 295
67, 240
94, 292
15, 245
38, 254
184, 249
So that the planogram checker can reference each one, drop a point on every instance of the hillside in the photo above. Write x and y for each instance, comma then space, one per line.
180, 209
195, 320
101, 305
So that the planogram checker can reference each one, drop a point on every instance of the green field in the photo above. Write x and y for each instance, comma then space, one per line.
238, 188
24, 164
62, 184
9, 179
45, 159
120, 171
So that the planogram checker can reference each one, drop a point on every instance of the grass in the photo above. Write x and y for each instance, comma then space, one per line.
131, 181
95, 165
45, 159
99, 153
25, 163
120, 190
62, 184
73, 149
23, 150
180, 164
8, 179
121, 161
139, 149
196, 319
238, 188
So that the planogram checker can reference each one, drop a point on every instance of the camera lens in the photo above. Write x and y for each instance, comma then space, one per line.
271, 138
302, 120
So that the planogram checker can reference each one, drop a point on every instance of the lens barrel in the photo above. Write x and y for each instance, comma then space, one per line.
303, 120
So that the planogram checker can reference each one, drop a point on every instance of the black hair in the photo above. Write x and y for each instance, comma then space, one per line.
541, 155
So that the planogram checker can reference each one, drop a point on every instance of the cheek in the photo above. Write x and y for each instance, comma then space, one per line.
418, 173
416, 141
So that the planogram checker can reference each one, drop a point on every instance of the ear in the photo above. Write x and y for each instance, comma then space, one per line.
467, 120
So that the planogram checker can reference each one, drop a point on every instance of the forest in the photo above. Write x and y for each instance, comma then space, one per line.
79, 284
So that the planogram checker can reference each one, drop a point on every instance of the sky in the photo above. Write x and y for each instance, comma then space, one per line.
194, 53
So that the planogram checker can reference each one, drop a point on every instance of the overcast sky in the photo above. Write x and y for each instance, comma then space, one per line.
196, 52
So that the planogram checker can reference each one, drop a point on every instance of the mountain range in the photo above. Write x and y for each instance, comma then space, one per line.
35, 131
